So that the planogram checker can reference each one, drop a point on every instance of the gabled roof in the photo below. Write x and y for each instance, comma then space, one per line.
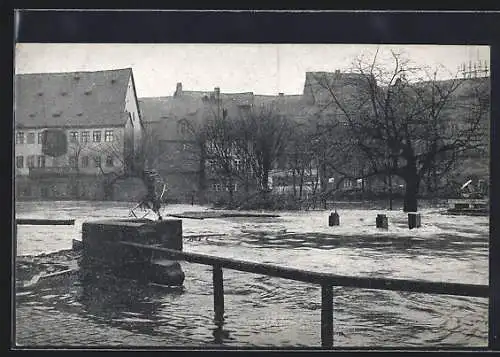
71, 99
166, 112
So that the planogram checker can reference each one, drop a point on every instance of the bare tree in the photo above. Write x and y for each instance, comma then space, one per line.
263, 136
221, 136
396, 126
150, 146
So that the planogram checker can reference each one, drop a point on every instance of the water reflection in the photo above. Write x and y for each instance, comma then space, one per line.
127, 303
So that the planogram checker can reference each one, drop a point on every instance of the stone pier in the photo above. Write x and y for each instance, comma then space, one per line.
101, 248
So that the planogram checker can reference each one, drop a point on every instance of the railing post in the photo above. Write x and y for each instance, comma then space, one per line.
218, 283
326, 315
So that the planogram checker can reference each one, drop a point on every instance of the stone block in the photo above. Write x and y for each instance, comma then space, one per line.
334, 219
101, 242
414, 220
382, 221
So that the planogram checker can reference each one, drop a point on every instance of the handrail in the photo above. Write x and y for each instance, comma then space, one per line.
417, 286
45, 222
326, 280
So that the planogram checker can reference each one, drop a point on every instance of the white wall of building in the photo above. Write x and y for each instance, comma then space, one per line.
82, 148
131, 107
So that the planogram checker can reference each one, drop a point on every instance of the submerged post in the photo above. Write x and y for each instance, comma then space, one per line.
326, 316
218, 294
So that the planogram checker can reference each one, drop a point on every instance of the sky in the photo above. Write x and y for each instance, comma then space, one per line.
259, 68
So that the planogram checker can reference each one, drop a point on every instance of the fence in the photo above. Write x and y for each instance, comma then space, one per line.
325, 280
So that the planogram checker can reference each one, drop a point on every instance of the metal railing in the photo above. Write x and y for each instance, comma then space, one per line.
45, 222
325, 280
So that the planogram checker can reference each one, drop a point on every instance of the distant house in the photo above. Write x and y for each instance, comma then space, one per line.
183, 156
170, 146
99, 115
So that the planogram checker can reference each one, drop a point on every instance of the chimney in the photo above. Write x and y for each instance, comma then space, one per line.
281, 94
217, 92
178, 89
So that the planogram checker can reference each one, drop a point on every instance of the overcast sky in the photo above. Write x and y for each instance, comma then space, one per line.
261, 68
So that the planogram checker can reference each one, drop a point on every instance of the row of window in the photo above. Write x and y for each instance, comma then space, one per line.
30, 138
237, 164
220, 187
73, 136
31, 160
85, 161
73, 162
96, 136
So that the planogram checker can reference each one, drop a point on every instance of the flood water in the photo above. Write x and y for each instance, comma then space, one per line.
260, 310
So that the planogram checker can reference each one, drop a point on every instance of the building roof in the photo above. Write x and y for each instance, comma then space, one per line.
166, 112
71, 99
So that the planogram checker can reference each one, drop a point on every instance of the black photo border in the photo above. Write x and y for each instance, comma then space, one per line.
225, 25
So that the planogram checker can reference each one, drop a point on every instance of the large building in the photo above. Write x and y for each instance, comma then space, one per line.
97, 114
182, 156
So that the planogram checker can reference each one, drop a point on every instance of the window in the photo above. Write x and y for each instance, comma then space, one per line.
108, 135
20, 137
97, 161
96, 136
235, 187
216, 187
40, 137
31, 138
85, 136
73, 136
109, 161
41, 161
30, 162
19, 162
73, 162
237, 164
85, 161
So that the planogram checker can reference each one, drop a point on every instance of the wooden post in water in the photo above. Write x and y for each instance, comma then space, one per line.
218, 294
326, 316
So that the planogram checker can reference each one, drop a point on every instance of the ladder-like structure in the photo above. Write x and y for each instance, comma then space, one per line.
156, 189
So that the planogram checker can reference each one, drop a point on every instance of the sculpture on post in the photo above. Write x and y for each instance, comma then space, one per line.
156, 189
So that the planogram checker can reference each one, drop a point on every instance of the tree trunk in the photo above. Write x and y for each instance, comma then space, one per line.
390, 192
411, 192
294, 183
301, 187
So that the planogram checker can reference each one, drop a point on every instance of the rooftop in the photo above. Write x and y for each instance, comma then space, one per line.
71, 99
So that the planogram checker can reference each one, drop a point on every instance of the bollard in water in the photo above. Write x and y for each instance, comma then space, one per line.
382, 221
326, 316
334, 219
414, 220
218, 283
